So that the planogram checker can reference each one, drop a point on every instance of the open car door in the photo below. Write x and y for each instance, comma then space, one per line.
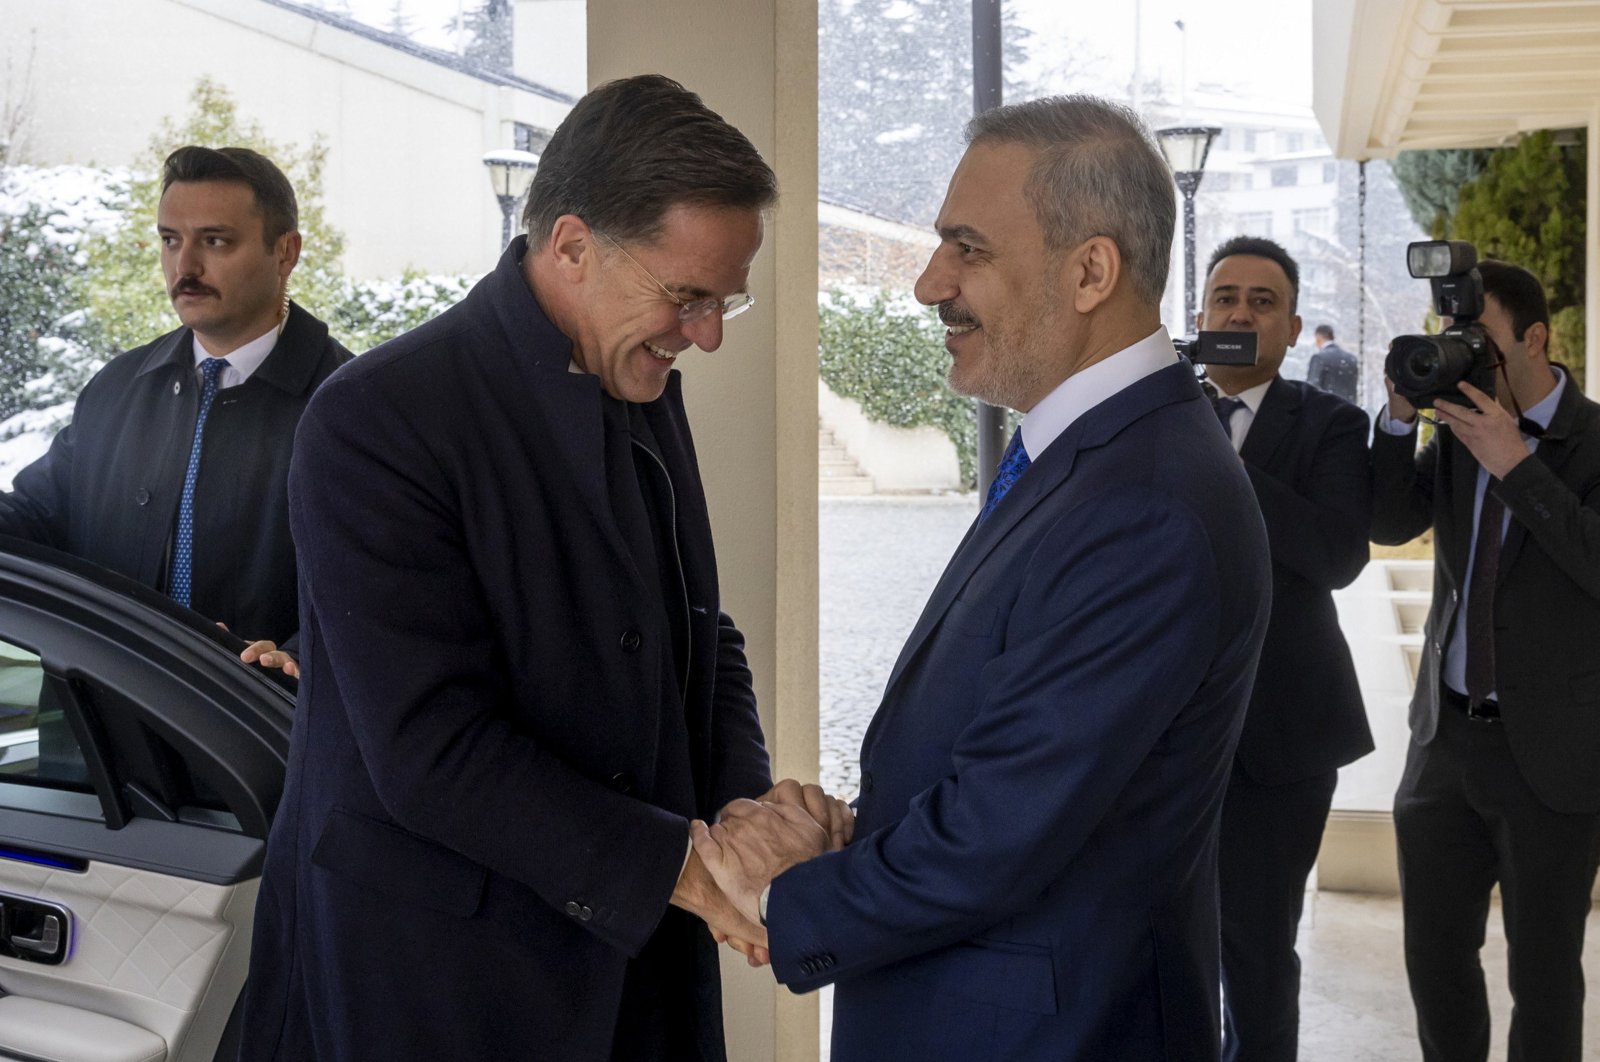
140, 765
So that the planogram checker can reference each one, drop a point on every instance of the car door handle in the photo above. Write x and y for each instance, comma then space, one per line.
35, 930
46, 938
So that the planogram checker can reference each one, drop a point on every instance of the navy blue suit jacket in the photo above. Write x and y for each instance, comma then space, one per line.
492, 764
1034, 870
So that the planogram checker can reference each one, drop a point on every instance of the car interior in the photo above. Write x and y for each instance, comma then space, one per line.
140, 764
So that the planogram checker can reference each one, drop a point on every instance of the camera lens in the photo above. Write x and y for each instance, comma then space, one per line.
1423, 366
1422, 363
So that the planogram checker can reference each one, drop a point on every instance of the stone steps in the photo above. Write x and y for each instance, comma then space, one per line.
838, 474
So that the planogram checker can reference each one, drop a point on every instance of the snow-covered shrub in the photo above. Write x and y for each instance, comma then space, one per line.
886, 351
47, 214
369, 312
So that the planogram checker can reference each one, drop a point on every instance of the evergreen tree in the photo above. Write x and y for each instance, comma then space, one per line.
41, 280
894, 93
400, 21
1527, 207
128, 298
488, 28
1431, 181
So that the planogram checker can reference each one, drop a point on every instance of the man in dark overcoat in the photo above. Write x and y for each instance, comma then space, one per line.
519, 685
174, 469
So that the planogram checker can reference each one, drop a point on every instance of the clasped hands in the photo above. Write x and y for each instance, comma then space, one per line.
753, 841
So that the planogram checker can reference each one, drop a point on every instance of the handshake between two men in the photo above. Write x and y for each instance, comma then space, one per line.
733, 860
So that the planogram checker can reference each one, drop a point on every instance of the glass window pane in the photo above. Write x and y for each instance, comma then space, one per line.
37, 746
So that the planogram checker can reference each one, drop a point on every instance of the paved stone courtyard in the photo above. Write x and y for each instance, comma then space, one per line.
879, 559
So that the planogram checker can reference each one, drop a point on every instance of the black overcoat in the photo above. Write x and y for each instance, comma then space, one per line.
108, 488
492, 765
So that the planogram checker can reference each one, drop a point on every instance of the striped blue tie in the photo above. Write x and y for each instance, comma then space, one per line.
183, 545
1013, 463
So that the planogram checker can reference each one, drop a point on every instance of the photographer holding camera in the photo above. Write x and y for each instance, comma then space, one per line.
1502, 779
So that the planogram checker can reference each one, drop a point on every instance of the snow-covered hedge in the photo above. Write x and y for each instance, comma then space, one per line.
886, 351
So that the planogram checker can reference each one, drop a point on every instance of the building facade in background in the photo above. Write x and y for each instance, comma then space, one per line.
406, 126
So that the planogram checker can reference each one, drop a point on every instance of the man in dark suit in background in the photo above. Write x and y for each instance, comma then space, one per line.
1502, 780
1333, 368
1306, 454
1034, 874
175, 468
519, 685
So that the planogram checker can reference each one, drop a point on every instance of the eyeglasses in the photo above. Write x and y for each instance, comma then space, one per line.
690, 310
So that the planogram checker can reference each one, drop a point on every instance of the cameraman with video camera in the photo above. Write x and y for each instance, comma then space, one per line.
1502, 778
1305, 451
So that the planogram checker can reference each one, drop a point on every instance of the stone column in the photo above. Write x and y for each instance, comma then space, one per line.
753, 403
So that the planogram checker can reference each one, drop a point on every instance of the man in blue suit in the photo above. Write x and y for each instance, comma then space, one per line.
1034, 875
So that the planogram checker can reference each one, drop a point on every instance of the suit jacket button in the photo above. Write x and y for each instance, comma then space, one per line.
807, 966
630, 641
624, 783
827, 961
574, 908
143, 497
866, 781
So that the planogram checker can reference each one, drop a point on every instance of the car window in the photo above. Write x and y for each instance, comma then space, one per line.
37, 746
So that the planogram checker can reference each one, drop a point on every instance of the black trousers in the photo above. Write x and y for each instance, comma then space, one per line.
1270, 838
1465, 819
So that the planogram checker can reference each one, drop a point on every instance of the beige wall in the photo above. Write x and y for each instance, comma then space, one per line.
405, 181
753, 403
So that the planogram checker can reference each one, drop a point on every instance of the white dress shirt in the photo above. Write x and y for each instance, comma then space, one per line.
241, 362
1082, 391
1239, 423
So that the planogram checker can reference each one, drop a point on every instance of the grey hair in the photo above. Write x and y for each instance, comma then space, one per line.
1098, 173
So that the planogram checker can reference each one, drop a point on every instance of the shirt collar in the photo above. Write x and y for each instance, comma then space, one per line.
246, 359
1544, 411
1251, 396
1082, 391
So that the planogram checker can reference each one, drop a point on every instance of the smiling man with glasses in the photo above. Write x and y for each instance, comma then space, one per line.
519, 686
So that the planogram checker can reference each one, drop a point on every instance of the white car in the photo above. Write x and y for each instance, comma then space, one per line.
140, 765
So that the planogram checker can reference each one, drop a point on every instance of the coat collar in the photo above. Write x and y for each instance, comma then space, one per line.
539, 346
1094, 429
1279, 407
538, 354
290, 367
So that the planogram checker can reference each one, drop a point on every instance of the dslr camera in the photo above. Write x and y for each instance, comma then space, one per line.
1426, 368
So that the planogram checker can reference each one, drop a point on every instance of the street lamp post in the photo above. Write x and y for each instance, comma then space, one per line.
510, 173
1186, 148
988, 79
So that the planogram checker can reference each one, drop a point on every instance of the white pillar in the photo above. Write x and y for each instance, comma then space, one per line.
753, 403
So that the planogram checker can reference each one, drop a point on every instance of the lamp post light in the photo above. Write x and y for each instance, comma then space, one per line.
1186, 148
510, 173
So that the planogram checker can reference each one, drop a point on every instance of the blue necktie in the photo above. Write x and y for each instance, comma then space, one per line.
1013, 463
183, 544
1226, 408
